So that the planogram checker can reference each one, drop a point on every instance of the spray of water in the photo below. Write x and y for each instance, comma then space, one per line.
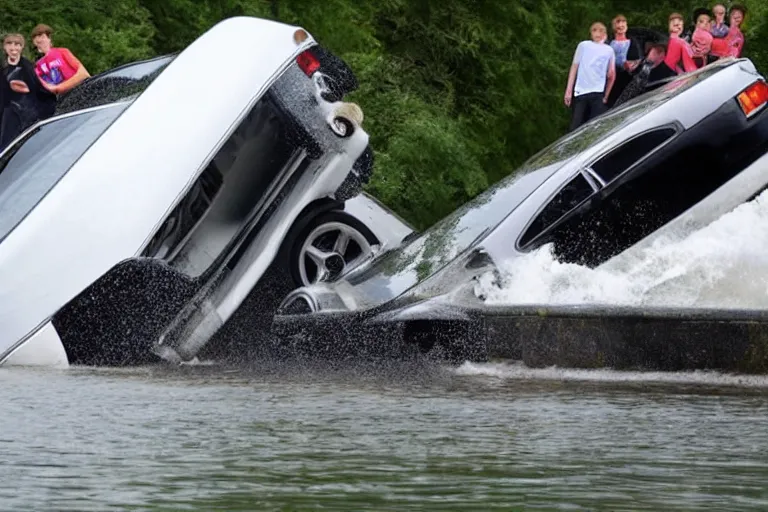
505, 372
724, 265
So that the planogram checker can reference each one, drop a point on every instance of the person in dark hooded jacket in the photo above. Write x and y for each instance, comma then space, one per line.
26, 101
628, 54
651, 71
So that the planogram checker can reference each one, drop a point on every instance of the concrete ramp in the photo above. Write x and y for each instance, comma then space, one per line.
628, 338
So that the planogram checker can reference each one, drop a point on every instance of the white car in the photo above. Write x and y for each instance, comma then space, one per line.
134, 222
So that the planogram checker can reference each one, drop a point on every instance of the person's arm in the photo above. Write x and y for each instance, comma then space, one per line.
688, 63
611, 78
80, 75
571, 82
5, 95
673, 54
634, 56
572, 76
736, 45
30, 78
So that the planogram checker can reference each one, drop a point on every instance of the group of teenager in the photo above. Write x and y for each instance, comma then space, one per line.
606, 73
28, 91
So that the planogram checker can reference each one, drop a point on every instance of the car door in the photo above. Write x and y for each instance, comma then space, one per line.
606, 207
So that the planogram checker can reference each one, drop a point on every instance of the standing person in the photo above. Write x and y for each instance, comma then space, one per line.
58, 69
679, 53
591, 77
733, 43
627, 56
719, 27
626, 50
28, 101
701, 40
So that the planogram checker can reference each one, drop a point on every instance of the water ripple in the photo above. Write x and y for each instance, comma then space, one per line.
204, 439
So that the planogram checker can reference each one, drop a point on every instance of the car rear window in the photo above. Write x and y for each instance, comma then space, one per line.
32, 166
119, 84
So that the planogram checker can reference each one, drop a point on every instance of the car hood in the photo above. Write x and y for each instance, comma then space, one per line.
105, 209
433, 263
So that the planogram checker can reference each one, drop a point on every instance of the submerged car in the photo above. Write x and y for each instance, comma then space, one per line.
690, 149
154, 190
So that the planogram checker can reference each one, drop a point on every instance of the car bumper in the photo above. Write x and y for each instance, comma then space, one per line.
43, 347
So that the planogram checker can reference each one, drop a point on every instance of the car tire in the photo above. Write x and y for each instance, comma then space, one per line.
323, 233
361, 173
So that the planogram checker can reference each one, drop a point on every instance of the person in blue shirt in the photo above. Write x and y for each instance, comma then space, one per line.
719, 27
628, 56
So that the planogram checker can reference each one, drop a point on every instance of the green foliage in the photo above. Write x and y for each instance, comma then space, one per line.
457, 93
101, 33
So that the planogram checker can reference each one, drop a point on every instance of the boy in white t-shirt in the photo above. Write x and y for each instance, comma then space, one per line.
591, 77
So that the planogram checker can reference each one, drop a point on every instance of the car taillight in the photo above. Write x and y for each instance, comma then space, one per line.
308, 63
754, 98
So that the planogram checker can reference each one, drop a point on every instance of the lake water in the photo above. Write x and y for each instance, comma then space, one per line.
482, 437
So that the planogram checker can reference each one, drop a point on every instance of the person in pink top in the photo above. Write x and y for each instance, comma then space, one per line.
701, 40
58, 70
679, 53
733, 43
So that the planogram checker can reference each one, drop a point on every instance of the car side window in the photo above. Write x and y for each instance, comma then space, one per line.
615, 163
569, 197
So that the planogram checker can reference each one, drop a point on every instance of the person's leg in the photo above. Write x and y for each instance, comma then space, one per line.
578, 112
596, 106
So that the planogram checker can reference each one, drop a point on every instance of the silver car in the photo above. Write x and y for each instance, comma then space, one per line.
134, 222
677, 157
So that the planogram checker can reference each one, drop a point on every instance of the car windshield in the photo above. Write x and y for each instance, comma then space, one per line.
402, 268
32, 166
119, 84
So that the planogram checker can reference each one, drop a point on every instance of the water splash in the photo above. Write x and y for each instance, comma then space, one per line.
724, 264
520, 372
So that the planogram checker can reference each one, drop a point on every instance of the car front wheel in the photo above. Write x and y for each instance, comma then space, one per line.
332, 244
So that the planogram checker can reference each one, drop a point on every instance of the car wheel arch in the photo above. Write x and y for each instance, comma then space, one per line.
314, 216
